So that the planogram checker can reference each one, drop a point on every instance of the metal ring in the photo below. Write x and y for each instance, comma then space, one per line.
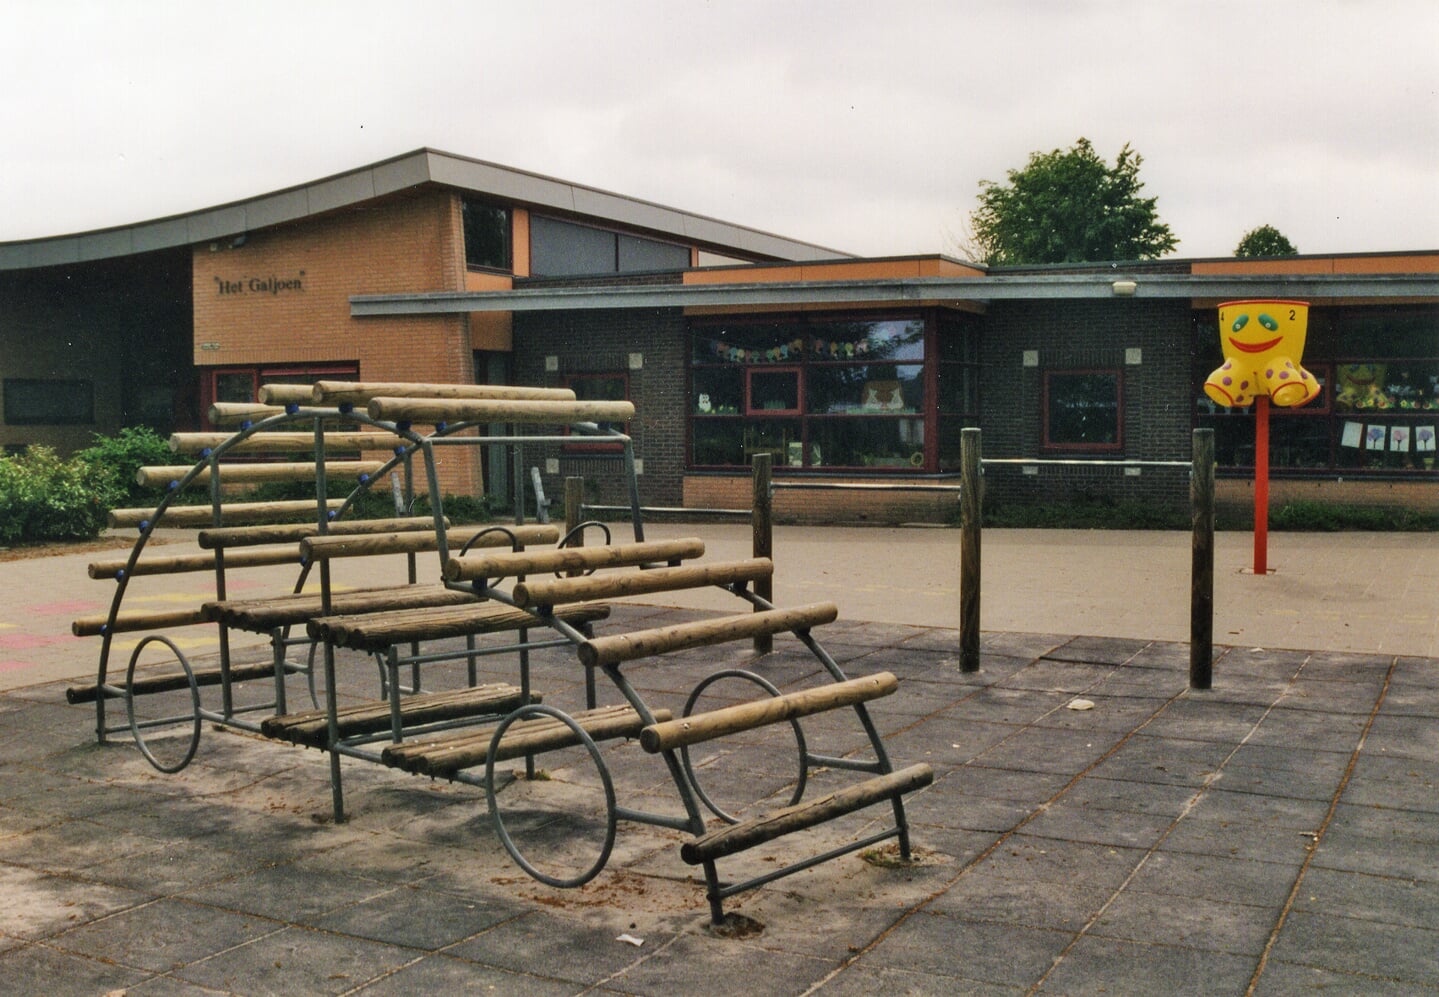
194, 700
611, 819
773, 690
579, 531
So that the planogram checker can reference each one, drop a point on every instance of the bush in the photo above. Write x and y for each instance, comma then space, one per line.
111, 463
45, 498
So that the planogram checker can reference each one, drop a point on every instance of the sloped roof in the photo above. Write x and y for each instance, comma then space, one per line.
415, 169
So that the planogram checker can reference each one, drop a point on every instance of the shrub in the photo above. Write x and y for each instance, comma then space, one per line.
45, 498
111, 463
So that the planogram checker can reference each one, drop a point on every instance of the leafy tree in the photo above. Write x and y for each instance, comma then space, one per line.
1069, 206
1266, 240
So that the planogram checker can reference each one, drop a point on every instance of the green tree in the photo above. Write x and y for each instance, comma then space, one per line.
1266, 240
1069, 206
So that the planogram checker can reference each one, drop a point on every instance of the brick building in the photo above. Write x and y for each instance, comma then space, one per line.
731, 341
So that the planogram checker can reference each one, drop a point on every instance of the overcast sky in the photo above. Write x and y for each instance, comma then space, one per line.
863, 126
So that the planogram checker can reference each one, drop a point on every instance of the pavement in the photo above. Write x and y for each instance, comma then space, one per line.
1094, 826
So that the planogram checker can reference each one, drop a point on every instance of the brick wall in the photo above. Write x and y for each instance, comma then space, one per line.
605, 341
283, 297
1071, 335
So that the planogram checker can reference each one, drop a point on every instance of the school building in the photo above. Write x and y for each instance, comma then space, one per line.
730, 341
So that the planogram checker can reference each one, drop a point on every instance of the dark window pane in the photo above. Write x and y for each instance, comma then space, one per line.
563, 249
774, 391
49, 403
717, 442
487, 235
650, 254
892, 443
239, 387
718, 390
1081, 409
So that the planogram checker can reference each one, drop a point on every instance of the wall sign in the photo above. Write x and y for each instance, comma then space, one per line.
260, 285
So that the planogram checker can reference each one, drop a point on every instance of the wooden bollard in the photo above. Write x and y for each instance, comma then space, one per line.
971, 506
1201, 575
762, 522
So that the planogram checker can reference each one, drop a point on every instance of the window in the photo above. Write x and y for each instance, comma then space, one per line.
43, 402
1082, 410
814, 391
1378, 412
606, 387
564, 249
242, 384
487, 235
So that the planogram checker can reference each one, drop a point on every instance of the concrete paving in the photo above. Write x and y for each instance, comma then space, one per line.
1272, 835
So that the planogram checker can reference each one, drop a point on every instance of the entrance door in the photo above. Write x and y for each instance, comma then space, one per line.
493, 367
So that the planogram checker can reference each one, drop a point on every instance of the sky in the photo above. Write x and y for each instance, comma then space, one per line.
864, 126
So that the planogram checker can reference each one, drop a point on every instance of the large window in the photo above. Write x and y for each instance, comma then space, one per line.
1378, 411
564, 249
814, 392
603, 387
49, 402
1083, 410
487, 235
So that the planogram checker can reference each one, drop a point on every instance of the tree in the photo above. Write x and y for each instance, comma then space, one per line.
1266, 240
1069, 207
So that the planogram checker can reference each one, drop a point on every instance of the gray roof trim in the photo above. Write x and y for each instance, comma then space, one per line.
401, 173
915, 290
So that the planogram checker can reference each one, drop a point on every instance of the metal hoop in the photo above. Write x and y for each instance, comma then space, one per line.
135, 726
611, 819
773, 690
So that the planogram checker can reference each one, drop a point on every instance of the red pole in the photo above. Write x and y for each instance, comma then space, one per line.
1261, 485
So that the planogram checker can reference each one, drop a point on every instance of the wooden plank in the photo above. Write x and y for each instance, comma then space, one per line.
601, 651
134, 621
158, 476
332, 546
312, 727
284, 442
360, 392
249, 536
737, 837
510, 564
174, 681
286, 394
176, 564
762, 712
614, 585
382, 630
231, 514
234, 413
544, 413
262, 615
446, 755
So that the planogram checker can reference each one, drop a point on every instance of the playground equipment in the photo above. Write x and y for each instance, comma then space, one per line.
499, 590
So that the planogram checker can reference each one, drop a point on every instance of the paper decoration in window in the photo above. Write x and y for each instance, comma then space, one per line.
1424, 438
1399, 439
1353, 435
1374, 439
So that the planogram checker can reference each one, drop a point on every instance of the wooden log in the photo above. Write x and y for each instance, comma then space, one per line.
332, 546
1201, 562
381, 630
361, 392
234, 413
162, 475
311, 727
135, 621
511, 564
737, 837
277, 442
179, 564
231, 514
145, 684
449, 754
762, 712
286, 394
971, 506
551, 592
601, 651
262, 615
762, 532
249, 536
546, 413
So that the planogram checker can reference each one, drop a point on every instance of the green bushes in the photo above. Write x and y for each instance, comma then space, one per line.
45, 498
111, 462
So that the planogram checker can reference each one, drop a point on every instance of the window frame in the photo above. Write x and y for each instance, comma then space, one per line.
593, 445
1047, 441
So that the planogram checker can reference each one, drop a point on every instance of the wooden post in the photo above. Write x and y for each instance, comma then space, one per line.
971, 517
574, 513
762, 520
1201, 574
